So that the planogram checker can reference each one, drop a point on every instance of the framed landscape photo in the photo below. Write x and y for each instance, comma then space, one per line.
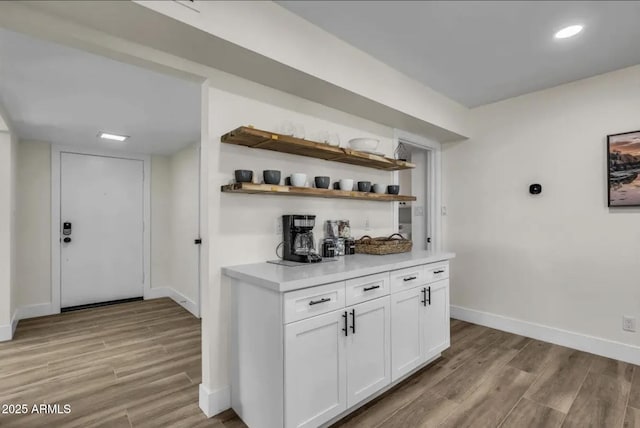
623, 167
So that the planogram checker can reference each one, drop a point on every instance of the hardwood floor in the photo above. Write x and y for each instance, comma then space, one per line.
131, 365
489, 378
138, 365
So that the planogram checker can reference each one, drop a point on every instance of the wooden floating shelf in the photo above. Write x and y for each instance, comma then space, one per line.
258, 139
271, 189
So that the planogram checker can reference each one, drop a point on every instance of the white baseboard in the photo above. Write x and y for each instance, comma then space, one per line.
7, 330
176, 296
33, 311
214, 402
595, 345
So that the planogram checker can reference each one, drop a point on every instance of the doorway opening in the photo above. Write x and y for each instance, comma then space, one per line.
101, 219
420, 220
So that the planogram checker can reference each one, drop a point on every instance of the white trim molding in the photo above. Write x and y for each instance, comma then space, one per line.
595, 345
176, 296
214, 402
56, 151
33, 311
7, 330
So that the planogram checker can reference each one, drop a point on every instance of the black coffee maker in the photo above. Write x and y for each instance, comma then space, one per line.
299, 244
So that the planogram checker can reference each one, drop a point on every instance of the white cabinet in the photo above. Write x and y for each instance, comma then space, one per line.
420, 326
368, 349
406, 334
315, 370
435, 322
337, 359
307, 356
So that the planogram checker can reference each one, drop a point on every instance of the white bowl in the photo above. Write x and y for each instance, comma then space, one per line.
298, 179
368, 144
379, 188
346, 184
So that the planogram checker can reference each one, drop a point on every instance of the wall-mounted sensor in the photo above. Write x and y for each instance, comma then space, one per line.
535, 189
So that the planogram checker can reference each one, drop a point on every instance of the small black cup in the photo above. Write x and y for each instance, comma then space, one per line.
271, 176
364, 186
393, 189
322, 182
244, 176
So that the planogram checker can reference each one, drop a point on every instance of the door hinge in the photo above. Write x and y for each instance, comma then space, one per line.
197, 241
428, 239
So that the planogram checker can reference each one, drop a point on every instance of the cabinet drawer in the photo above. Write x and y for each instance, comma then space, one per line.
313, 301
366, 288
404, 279
436, 272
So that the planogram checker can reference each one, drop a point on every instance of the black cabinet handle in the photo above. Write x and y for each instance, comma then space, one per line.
345, 329
316, 302
429, 292
373, 287
438, 271
410, 278
424, 297
353, 321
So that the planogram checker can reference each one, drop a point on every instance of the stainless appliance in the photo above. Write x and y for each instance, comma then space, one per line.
299, 244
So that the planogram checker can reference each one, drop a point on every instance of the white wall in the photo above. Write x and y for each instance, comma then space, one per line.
174, 226
185, 193
560, 259
160, 222
8, 144
242, 228
33, 276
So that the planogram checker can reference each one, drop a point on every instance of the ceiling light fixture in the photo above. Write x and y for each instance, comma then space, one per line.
569, 31
115, 137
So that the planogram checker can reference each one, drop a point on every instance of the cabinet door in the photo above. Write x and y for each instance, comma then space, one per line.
435, 320
406, 334
315, 370
368, 349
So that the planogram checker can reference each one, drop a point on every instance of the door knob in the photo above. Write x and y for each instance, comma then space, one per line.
67, 240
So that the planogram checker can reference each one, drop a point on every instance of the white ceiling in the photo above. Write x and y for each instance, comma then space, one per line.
477, 52
61, 95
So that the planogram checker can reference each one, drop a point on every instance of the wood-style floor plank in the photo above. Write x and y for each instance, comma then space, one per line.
601, 402
634, 394
560, 380
533, 415
492, 401
632, 418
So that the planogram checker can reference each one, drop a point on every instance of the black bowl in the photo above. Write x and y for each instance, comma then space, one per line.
271, 176
393, 189
364, 186
322, 182
244, 176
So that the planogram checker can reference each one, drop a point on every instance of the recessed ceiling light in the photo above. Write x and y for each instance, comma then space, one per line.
569, 31
115, 137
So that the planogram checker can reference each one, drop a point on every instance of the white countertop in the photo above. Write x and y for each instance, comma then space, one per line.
285, 278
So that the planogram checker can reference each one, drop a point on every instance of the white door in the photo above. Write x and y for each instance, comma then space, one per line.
368, 349
315, 371
406, 313
435, 321
102, 199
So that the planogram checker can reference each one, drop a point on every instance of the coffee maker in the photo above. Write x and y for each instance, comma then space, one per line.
299, 244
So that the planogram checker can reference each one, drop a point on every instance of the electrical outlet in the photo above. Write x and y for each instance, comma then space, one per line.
278, 226
444, 210
628, 323
367, 225
419, 211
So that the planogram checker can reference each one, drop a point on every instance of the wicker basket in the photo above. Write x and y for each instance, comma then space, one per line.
379, 246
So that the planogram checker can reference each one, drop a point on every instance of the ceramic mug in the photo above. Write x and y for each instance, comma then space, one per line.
346, 184
298, 179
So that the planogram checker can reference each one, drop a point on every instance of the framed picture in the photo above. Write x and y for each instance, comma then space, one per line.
623, 168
